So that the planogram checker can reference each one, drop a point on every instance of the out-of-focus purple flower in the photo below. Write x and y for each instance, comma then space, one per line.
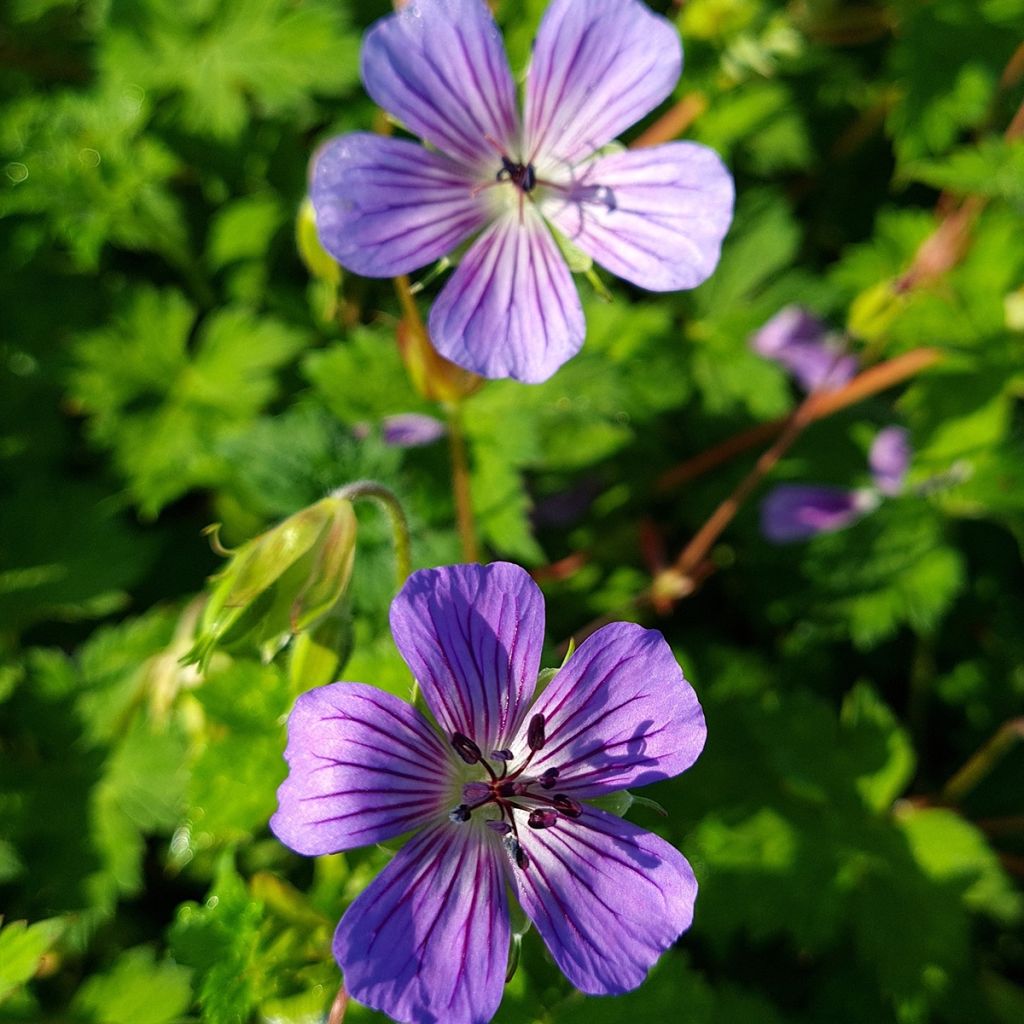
890, 459
411, 430
386, 206
797, 511
801, 343
498, 800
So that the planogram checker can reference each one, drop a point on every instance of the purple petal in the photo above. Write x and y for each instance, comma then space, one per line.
411, 430
439, 66
656, 216
472, 635
598, 66
364, 766
608, 898
511, 308
388, 206
428, 940
889, 459
801, 343
795, 512
619, 714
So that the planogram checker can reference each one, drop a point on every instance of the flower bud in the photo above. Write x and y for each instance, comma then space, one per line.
432, 375
281, 583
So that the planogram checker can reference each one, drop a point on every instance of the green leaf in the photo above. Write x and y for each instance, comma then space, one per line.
21, 948
993, 168
137, 989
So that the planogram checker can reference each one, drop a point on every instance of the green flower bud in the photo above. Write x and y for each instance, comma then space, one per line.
281, 583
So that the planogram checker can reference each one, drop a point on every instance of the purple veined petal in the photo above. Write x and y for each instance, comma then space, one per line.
655, 217
440, 67
364, 766
799, 341
796, 511
472, 636
619, 714
427, 940
388, 206
411, 430
889, 459
511, 308
607, 897
598, 66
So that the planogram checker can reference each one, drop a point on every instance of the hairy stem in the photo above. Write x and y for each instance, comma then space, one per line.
388, 501
460, 485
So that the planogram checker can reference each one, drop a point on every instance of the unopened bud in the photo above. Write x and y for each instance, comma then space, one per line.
281, 583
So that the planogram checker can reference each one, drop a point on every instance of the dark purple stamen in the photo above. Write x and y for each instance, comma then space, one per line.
569, 807
535, 732
459, 814
502, 755
466, 748
511, 788
523, 176
548, 778
499, 826
542, 817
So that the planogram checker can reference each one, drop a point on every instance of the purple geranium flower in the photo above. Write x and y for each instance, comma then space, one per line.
496, 797
798, 511
801, 343
889, 459
388, 206
411, 430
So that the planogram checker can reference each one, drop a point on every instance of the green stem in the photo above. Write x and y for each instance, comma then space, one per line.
460, 486
389, 502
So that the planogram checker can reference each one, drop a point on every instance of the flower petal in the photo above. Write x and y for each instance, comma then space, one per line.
655, 216
388, 206
889, 459
511, 308
439, 66
472, 635
607, 897
364, 766
411, 430
427, 940
798, 511
619, 714
598, 66
799, 341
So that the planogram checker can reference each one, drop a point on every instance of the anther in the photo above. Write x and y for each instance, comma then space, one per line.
459, 814
475, 791
542, 817
499, 826
548, 778
535, 732
466, 748
569, 807
516, 852
512, 788
502, 755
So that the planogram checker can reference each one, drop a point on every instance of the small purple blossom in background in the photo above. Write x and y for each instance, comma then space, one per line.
798, 511
890, 459
800, 342
387, 206
793, 512
411, 430
497, 799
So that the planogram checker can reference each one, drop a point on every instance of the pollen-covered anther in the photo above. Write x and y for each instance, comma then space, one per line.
516, 851
542, 817
459, 814
569, 807
548, 778
466, 748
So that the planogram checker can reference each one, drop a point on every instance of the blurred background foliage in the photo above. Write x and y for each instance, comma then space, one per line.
168, 360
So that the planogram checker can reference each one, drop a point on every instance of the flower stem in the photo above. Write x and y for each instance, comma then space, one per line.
981, 763
388, 501
460, 485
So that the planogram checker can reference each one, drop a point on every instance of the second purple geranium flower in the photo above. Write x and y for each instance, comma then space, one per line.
497, 798
385, 206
